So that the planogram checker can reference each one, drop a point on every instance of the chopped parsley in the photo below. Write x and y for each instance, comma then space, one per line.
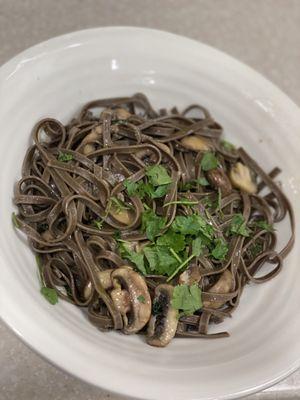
263, 224
136, 258
227, 145
98, 223
158, 175
220, 250
157, 183
49, 294
238, 226
141, 299
14, 220
152, 224
187, 299
64, 157
209, 161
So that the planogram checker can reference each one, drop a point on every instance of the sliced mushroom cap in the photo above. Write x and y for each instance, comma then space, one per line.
88, 149
135, 304
223, 286
240, 177
94, 135
125, 217
163, 323
219, 180
190, 275
104, 278
195, 143
121, 113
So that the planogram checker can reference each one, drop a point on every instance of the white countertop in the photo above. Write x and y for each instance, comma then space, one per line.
263, 33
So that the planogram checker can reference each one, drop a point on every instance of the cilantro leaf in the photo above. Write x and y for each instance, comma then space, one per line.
160, 259
227, 145
220, 250
159, 191
136, 258
202, 181
132, 187
64, 157
184, 187
192, 225
152, 224
141, 299
98, 223
187, 299
209, 161
151, 256
255, 249
238, 226
197, 246
14, 220
49, 294
263, 224
167, 263
117, 204
172, 239
158, 175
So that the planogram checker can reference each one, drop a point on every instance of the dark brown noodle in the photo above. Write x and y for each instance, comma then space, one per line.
114, 139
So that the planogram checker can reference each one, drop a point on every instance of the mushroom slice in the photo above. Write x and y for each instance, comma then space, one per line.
104, 278
131, 297
121, 113
224, 285
163, 323
219, 180
190, 275
195, 143
125, 217
240, 177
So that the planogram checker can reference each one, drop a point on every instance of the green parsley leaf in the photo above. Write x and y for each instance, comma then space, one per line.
14, 220
152, 224
167, 263
197, 246
64, 157
117, 204
209, 161
136, 258
98, 223
192, 225
220, 250
160, 191
151, 256
49, 294
255, 249
184, 187
158, 175
227, 145
141, 299
172, 239
187, 299
207, 202
238, 226
131, 187
202, 181
263, 224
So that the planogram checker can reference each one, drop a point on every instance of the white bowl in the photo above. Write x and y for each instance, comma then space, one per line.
54, 79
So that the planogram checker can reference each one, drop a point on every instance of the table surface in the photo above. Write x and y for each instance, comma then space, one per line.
262, 33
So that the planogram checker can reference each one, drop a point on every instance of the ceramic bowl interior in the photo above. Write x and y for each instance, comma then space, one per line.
54, 79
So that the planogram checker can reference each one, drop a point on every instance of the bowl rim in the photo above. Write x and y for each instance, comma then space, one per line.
53, 44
